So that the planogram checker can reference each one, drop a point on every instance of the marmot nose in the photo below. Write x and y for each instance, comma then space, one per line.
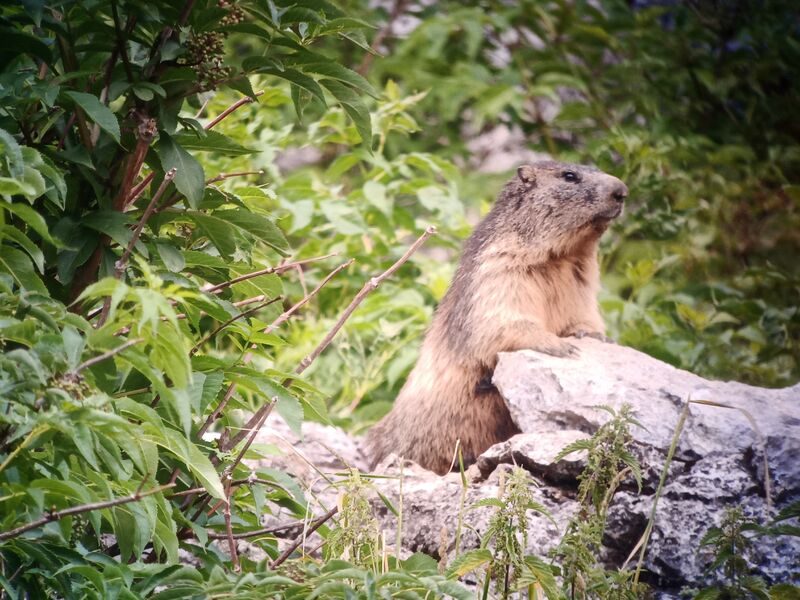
619, 192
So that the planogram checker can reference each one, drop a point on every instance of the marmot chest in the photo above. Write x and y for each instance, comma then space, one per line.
555, 295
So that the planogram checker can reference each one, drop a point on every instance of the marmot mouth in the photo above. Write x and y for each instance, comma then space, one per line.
608, 214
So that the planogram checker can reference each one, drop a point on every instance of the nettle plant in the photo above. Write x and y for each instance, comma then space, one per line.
141, 293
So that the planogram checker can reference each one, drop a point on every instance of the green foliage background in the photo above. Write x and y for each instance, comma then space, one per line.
694, 108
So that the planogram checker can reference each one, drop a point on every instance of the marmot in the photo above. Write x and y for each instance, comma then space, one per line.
528, 277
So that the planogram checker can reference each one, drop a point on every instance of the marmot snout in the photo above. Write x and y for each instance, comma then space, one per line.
528, 277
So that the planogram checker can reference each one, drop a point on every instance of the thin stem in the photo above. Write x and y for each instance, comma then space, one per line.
371, 285
224, 176
136, 192
267, 271
223, 444
252, 436
670, 454
24, 444
229, 527
106, 355
83, 508
233, 319
233, 107
251, 534
299, 540
119, 267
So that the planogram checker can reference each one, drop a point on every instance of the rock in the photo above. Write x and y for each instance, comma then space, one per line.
718, 464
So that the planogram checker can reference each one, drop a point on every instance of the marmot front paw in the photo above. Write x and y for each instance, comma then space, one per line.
593, 334
559, 348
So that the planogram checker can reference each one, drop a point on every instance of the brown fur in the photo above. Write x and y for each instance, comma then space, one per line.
528, 277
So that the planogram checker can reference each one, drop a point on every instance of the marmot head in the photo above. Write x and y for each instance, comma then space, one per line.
561, 201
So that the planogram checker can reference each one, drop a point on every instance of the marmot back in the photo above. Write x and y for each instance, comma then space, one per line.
527, 278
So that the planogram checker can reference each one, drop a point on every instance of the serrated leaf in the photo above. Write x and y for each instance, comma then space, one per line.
469, 561
32, 218
172, 257
36, 254
299, 79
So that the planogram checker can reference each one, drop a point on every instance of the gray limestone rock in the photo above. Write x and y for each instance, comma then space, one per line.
719, 463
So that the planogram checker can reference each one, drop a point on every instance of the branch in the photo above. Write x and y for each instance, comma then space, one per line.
257, 532
224, 443
83, 508
233, 107
119, 266
224, 176
368, 287
267, 271
97, 359
233, 319
252, 436
224, 114
299, 540
146, 131
229, 527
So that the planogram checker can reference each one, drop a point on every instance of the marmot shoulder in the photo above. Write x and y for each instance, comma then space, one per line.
528, 277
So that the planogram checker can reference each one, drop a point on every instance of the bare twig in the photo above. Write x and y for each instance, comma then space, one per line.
229, 527
105, 355
258, 532
368, 287
224, 176
282, 318
235, 106
119, 267
76, 510
252, 436
267, 271
223, 444
233, 319
316, 524
226, 443
146, 131
224, 114
235, 483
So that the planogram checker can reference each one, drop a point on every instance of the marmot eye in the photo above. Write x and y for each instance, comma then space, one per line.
570, 176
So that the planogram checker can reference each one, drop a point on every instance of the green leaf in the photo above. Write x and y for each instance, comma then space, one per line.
259, 226
172, 257
221, 233
17, 264
33, 219
375, 193
299, 79
14, 234
354, 107
212, 141
469, 561
97, 112
191, 456
189, 177
333, 70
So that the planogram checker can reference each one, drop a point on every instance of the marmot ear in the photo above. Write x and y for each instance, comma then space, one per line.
527, 174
